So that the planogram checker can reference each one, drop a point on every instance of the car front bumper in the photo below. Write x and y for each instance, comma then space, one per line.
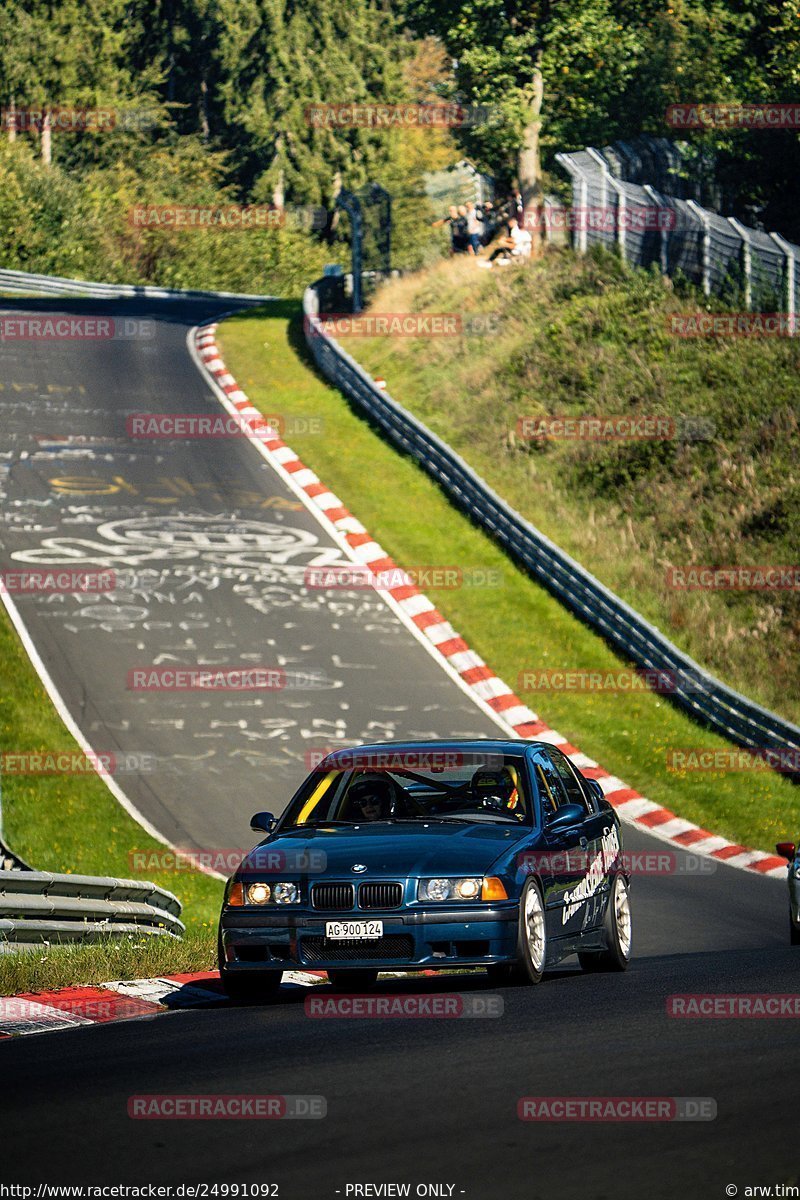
412, 939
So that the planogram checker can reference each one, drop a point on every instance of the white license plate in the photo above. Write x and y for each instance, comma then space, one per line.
356, 931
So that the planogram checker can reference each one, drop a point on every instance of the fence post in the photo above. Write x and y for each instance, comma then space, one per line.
620, 220
747, 260
702, 217
663, 245
583, 191
791, 268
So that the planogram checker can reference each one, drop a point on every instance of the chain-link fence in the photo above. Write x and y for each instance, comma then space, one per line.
755, 270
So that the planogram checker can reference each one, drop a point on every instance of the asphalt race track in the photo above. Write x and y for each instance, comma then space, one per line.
208, 549
408, 1101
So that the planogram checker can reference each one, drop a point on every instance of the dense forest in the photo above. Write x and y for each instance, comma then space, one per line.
211, 107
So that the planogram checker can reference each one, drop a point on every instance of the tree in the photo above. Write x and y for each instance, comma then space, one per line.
547, 72
65, 56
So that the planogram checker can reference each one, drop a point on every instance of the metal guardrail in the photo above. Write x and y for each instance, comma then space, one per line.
27, 284
705, 698
37, 906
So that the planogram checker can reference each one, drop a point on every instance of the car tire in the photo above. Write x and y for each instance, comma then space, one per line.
531, 937
355, 980
794, 931
251, 987
616, 930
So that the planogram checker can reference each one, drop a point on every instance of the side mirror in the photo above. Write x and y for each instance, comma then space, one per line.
595, 790
263, 822
786, 850
567, 817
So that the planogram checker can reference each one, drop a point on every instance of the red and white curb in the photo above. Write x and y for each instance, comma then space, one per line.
123, 1000
463, 664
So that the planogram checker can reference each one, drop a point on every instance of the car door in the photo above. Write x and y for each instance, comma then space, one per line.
566, 854
603, 848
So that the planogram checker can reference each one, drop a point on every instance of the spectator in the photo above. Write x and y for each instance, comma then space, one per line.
460, 232
514, 245
489, 217
457, 220
474, 228
450, 219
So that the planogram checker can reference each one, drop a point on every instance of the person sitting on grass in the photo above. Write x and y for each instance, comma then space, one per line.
515, 245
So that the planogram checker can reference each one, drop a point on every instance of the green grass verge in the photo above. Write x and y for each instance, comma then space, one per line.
73, 824
43, 968
515, 626
587, 337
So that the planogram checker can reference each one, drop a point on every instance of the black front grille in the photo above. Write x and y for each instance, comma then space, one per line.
332, 897
397, 946
380, 895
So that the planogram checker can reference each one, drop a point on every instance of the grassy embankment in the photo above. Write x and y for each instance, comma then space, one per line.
587, 337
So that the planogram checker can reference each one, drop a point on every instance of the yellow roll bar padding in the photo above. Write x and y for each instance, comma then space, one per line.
315, 797
540, 775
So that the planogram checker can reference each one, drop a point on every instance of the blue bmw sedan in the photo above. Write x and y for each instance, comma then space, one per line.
419, 855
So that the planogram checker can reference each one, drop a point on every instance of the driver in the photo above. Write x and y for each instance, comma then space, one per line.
372, 798
497, 789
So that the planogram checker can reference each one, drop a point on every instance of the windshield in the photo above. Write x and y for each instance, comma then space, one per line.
401, 787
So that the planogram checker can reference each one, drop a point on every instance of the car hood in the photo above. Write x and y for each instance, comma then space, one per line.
408, 848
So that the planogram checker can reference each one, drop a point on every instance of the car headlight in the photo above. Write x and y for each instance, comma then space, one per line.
449, 889
258, 893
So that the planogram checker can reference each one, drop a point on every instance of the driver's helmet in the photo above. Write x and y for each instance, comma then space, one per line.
496, 788
371, 798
